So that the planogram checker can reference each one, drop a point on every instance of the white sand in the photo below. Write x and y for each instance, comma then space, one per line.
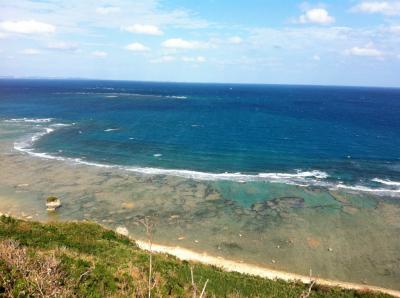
229, 265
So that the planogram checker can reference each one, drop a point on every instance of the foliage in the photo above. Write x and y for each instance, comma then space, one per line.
87, 260
52, 199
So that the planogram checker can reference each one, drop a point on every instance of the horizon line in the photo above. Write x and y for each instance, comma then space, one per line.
193, 82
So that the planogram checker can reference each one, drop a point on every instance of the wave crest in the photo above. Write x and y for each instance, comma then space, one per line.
387, 182
299, 178
29, 120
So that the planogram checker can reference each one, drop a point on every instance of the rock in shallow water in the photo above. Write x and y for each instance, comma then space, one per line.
53, 203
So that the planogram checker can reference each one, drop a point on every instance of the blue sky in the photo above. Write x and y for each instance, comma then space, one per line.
352, 42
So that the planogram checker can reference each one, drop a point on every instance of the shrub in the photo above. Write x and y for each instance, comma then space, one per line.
52, 199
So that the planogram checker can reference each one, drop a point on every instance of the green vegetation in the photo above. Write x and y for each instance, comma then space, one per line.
52, 199
85, 260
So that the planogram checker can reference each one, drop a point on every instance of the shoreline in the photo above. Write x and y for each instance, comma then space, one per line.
246, 268
229, 265
237, 266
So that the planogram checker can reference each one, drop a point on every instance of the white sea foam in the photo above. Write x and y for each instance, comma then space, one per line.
111, 129
299, 174
299, 178
29, 120
176, 96
386, 182
123, 94
101, 88
361, 188
27, 143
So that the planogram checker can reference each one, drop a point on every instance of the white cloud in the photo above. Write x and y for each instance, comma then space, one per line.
324, 41
63, 46
316, 16
189, 59
27, 27
179, 43
367, 51
105, 10
393, 29
163, 59
310, 39
30, 51
316, 57
137, 47
79, 16
100, 54
235, 40
199, 59
143, 29
387, 30
382, 7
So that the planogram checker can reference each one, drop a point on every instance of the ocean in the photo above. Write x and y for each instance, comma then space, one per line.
313, 165
330, 136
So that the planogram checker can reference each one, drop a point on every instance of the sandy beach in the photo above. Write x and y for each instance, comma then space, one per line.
230, 265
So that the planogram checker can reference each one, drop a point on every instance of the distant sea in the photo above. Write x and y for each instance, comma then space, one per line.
334, 137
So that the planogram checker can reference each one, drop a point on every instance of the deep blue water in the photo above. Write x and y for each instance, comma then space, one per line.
350, 133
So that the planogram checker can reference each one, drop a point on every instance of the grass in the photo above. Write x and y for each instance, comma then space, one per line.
80, 259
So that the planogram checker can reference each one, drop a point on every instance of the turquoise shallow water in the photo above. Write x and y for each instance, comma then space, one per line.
292, 178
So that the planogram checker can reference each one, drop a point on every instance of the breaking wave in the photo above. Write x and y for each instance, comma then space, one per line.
299, 177
123, 94
29, 120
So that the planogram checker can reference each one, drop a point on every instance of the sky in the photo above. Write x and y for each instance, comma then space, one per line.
351, 42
